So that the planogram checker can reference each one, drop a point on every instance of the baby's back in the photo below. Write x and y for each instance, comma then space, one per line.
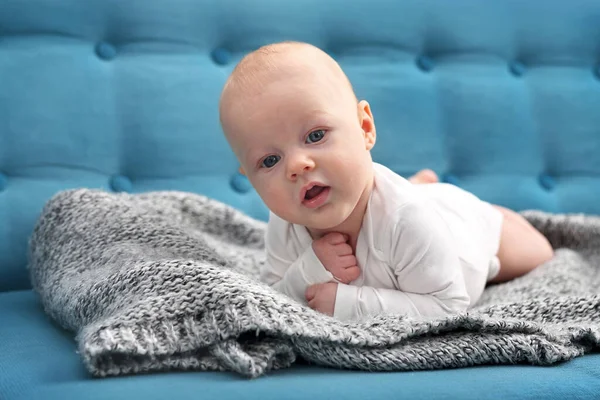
475, 224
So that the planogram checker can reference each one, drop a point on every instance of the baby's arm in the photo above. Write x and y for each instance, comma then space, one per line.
426, 266
287, 271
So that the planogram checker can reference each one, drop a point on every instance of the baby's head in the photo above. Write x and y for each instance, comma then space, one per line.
293, 121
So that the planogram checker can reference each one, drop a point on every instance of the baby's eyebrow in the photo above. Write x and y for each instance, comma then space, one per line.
316, 117
253, 156
317, 114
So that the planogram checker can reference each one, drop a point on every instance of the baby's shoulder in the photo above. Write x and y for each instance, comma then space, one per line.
395, 208
393, 194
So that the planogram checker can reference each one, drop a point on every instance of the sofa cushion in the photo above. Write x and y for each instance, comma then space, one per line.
38, 360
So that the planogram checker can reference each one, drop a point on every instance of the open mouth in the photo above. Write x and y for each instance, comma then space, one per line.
316, 196
314, 192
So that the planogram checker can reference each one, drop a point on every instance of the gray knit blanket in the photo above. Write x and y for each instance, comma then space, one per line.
169, 281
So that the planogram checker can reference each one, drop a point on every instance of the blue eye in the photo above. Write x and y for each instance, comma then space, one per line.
270, 161
315, 136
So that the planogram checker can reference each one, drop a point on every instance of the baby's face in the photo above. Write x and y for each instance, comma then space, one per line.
303, 142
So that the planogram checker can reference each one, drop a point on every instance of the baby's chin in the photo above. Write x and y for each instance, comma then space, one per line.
326, 221
326, 218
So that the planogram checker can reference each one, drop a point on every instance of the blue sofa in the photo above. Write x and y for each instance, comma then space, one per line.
500, 97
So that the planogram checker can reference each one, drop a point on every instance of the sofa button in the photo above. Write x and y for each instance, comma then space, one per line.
240, 183
106, 51
120, 183
424, 63
3, 181
221, 56
597, 72
451, 179
547, 182
517, 68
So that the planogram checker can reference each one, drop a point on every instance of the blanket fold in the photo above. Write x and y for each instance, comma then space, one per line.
169, 280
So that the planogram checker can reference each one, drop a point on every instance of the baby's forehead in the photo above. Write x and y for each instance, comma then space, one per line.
281, 64
297, 82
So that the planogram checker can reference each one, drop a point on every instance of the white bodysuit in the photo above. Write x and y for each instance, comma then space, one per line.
424, 251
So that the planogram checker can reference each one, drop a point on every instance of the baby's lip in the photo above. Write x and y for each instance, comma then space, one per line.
309, 186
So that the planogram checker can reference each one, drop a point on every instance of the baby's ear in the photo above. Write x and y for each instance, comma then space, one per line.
367, 123
241, 170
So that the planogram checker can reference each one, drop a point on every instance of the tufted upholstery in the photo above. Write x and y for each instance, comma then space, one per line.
123, 96
501, 97
98, 94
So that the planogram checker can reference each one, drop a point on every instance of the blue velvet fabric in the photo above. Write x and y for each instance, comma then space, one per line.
500, 97
39, 362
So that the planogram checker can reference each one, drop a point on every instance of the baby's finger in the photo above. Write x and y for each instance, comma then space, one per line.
348, 275
342, 278
352, 273
347, 261
343, 249
336, 238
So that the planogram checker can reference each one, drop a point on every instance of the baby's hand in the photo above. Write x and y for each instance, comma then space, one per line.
321, 297
336, 256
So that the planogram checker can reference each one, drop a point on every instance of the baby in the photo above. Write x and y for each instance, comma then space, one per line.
347, 236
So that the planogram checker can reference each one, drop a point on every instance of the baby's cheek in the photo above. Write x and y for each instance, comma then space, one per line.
348, 167
271, 191
274, 198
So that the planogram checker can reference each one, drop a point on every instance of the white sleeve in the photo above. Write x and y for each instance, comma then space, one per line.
287, 270
426, 266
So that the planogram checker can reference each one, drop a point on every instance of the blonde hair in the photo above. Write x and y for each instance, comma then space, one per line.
267, 60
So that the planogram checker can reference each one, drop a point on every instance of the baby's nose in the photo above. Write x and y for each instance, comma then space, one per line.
299, 167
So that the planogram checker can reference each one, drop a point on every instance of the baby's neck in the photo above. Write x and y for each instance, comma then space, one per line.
351, 226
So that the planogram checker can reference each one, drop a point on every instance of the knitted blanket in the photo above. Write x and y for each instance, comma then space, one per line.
169, 280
